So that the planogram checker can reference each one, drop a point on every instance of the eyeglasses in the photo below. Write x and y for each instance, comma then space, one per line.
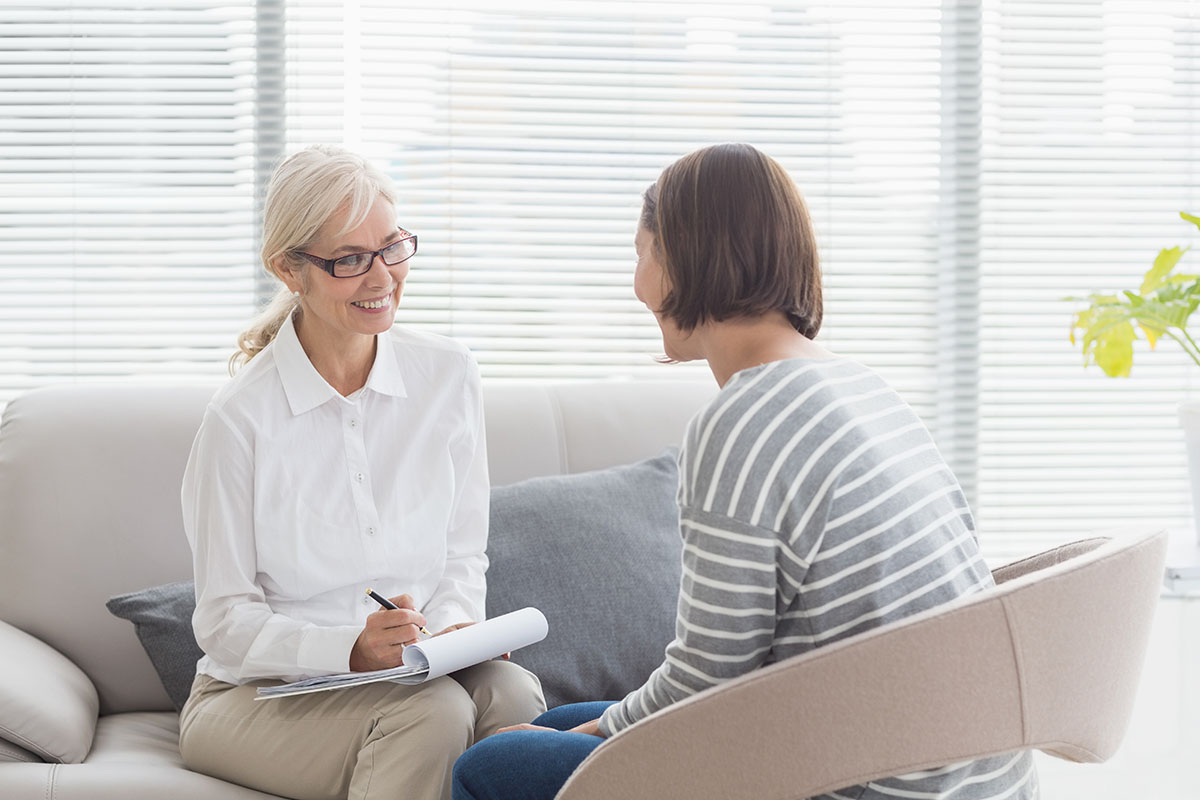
358, 263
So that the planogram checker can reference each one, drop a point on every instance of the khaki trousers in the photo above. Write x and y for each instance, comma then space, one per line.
371, 742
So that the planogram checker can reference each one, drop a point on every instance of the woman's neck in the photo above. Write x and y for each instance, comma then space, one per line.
735, 345
344, 360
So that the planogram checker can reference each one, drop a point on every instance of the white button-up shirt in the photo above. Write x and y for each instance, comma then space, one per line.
296, 500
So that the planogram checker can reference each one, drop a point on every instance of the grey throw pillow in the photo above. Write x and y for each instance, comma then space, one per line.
599, 553
162, 618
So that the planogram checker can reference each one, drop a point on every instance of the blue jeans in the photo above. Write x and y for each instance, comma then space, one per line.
528, 765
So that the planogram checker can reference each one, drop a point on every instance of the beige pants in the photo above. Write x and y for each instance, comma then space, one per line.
374, 742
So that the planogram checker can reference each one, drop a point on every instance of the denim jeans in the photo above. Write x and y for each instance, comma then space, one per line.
528, 765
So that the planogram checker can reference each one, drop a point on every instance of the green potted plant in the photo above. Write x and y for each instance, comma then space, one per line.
1162, 307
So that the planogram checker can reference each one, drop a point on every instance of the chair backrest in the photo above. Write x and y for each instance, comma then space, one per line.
1049, 659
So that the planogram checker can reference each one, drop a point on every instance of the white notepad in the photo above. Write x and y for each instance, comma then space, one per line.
438, 656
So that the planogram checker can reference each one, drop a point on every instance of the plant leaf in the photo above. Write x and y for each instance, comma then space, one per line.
1082, 320
1152, 333
1165, 262
1113, 350
1194, 220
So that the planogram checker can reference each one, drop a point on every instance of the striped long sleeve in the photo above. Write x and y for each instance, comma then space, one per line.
725, 625
814, 506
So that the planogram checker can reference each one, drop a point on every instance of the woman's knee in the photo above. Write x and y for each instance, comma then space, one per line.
472, 772
522, 765
506, 692
441, 709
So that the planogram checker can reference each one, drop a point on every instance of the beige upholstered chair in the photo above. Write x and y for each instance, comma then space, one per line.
1049, 659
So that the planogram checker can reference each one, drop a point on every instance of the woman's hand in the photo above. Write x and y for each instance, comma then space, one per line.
381, 643
592, 728
526, 727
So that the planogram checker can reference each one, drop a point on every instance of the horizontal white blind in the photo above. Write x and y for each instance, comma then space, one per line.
967, 164
1091, 148
522, 135
126, 189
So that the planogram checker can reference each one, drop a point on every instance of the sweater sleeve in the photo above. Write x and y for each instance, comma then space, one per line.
725, 623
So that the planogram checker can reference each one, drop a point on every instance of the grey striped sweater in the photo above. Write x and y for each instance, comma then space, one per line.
814, 505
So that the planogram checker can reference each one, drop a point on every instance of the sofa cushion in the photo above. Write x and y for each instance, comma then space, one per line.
599, 553
162, 618
48, 706
11, 754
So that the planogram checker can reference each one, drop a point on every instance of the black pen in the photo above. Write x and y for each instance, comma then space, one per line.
388, 604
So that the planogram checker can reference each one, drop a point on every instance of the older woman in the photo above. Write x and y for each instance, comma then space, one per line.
813, 503
345, 454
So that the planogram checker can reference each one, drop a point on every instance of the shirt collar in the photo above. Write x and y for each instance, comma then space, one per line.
304, 386
385, 372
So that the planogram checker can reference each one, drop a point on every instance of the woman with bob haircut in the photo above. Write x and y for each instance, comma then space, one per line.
814, 505
346, 454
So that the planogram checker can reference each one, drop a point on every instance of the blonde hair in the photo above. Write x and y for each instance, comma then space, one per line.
307, 190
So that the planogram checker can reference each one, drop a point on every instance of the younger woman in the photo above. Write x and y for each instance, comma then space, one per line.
813, 503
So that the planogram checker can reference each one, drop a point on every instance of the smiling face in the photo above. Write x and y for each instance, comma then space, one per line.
336, 310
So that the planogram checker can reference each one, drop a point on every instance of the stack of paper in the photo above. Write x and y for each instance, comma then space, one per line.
438, 656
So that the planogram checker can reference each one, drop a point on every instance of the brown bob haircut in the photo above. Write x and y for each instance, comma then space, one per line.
734, 239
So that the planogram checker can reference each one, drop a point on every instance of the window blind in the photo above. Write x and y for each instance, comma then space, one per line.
521, 136
967, 165
126, 189
1091, 120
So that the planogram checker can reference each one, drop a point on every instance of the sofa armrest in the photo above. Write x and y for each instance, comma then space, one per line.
48, 706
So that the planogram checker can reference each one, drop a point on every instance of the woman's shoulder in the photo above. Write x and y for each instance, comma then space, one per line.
758, 395
767, 414
248, 382
410, 342
796, 373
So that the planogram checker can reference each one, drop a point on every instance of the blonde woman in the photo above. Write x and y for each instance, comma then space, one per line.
346, 453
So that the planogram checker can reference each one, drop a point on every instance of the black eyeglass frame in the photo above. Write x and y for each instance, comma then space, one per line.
327, 264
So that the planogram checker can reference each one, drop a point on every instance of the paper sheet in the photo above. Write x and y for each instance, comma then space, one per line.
438, 656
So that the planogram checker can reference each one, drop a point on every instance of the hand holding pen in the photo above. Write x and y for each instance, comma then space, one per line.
383, 601
381, 643
388, 604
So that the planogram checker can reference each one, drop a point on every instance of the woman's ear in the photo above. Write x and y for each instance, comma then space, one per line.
284, 270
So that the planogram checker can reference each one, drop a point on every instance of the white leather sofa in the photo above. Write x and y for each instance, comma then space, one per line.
89, 508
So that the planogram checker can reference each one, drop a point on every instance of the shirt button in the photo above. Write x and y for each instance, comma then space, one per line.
353, 423
358, 476
366, 601
370, 531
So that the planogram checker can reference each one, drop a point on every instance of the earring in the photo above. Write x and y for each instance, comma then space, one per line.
296, 294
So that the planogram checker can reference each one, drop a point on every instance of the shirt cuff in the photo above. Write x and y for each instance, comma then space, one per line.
326, 650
